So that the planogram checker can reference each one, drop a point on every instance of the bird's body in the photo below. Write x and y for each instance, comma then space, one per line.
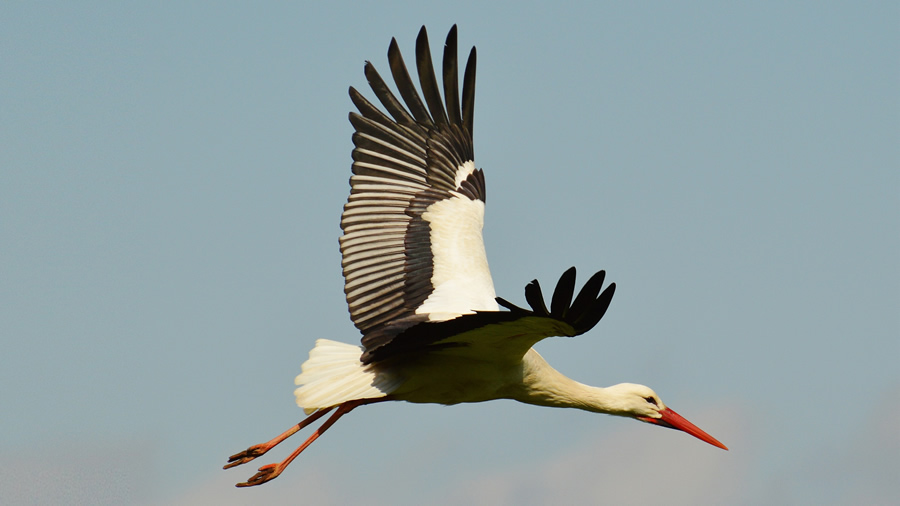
528, 379
417, 280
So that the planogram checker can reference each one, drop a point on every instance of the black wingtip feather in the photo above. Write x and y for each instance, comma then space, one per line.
589, 307
509, 305
468, 94
387, 98
405, 85
562, 295
588, 293
595, 311
451, 79
427, 79
535, 298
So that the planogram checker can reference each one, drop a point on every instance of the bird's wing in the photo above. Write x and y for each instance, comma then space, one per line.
509, 333
412, 246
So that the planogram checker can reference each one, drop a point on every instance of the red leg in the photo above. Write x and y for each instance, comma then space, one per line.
271, 471
260, 449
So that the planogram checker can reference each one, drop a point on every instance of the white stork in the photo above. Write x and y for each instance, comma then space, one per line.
417, 279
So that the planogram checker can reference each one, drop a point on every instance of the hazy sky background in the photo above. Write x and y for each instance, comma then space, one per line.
171, 180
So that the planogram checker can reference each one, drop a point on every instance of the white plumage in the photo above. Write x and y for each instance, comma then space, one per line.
461, 279
417, 280
333, 375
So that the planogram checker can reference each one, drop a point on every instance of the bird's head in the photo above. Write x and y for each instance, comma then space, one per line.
642, 403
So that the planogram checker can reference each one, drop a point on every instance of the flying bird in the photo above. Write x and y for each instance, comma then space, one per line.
417, 281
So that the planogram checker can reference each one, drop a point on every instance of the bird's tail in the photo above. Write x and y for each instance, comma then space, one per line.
334, 374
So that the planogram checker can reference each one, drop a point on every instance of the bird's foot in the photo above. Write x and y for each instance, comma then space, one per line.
247, 455
266, 473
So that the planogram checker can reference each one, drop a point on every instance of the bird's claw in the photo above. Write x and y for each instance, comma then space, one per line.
246, 456
266, 473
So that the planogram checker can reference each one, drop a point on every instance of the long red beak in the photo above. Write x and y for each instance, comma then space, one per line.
673, 420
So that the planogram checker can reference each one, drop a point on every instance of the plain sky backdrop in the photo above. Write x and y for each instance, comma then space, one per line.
171, 180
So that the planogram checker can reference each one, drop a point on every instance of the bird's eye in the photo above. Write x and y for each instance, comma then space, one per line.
651, 400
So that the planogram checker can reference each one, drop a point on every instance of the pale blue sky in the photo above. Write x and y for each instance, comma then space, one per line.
171, 179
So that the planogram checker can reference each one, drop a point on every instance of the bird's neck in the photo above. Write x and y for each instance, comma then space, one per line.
543, 385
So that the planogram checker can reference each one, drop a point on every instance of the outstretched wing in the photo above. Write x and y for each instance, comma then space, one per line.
498, 334
412, 246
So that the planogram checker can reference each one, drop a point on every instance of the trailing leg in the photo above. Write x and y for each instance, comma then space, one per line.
260, 449
271, 471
